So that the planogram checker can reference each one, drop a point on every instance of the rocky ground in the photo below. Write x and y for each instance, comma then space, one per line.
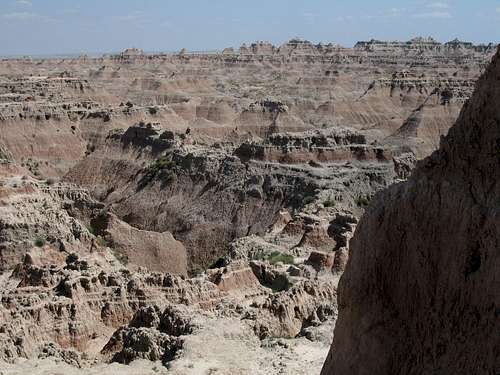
191, 213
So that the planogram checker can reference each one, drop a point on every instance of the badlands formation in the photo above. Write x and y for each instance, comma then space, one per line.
421, 293
191, 213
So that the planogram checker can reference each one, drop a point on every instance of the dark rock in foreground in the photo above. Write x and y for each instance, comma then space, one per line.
421, 292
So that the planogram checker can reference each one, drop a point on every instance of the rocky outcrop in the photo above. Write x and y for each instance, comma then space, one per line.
51, 350
404, 164
76, 304
137, 248
423, 45
151, 335
142, 343
314, 147
321, 261
66, 310
421, 291
38, 215
132, 52
286, 314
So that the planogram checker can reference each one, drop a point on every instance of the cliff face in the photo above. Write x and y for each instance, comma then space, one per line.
209, 196
421, 293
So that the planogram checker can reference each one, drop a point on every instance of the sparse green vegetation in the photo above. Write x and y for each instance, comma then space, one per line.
39, 242
219, 263
277, 257
169, 177
308, 200
163, 168
330, 202
102, 242
362, 201
122, 258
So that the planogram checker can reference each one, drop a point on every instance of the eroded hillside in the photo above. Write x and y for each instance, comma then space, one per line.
194, 211
420, 293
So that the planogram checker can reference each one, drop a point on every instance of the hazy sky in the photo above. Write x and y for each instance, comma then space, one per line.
75, 26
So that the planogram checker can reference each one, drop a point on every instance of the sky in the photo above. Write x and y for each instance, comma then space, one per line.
51, 27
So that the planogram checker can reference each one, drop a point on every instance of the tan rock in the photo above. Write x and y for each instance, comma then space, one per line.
421, 290
139, 248
321, 261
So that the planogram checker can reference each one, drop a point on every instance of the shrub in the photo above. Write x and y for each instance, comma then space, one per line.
102, 242
39, 242
162, 167
307, 200
362, 201
219, 263
168, 177
329, 202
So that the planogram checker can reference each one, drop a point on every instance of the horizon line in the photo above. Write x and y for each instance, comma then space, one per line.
97, 54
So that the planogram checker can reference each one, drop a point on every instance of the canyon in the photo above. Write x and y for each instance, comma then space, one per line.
192, 213
420, 293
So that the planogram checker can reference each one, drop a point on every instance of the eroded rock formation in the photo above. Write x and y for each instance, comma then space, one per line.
55, 111
194, 210
421, 291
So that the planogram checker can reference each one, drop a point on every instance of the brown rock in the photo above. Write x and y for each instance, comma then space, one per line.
421, 292
321, 261
235, 278
155, 251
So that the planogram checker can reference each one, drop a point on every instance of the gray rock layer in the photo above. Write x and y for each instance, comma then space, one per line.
421, 293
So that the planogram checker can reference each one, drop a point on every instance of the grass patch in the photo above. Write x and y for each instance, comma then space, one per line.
277, 257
